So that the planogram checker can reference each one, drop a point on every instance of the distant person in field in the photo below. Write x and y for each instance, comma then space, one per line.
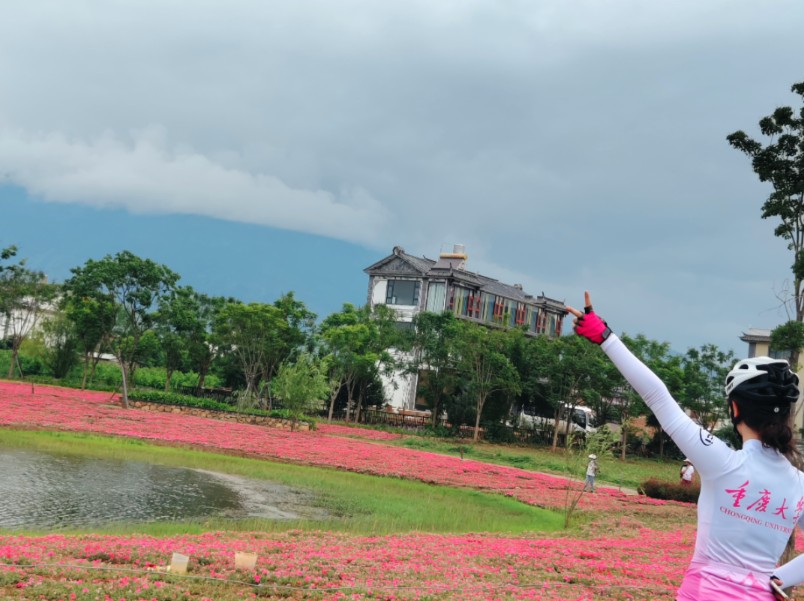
687, 472
752, 499
591, 473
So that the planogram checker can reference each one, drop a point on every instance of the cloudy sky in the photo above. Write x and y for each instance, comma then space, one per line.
260, 147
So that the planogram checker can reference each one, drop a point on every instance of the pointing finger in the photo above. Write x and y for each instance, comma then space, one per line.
575, 312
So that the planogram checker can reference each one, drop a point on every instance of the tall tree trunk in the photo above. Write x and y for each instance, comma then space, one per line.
434, 409
16, 343
86, 372
623, 436
95, 361
568, 428
125, 383
350, 389
203, 370
252, 387
556, 426
359, 404
332, 398
480, 402
13, 363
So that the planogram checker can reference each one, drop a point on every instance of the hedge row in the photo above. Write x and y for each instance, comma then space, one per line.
671, 491
184, 400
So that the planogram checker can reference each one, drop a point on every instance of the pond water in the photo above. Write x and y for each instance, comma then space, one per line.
46, 490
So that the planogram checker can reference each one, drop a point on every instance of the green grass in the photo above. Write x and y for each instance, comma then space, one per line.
613, 470
360, 503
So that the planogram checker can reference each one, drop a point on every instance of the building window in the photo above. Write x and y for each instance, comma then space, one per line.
470, 302
498, 310
403, 292
404, 326
509, 320
460, 301
540, 322
521, 311
488, 307
436, 297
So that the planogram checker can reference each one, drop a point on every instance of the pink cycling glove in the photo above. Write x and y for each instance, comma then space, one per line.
591, 327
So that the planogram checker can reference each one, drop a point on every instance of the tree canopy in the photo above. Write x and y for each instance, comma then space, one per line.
780, 163
134, 287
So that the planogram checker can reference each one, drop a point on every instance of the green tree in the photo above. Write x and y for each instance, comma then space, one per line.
93, 319
656, 355
481, 358
358, 343
781, 164
7, 253
564, 373
300, 320
432, 357
788, 337
302, 386
202, 347
61, 344
343, 335
296, 337
134, 286
704, 371
24, 296
251, 333
670, 370
178, 323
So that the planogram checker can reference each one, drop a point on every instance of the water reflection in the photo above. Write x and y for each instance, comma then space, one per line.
47, 490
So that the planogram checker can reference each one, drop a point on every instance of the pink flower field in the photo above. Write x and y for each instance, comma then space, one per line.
631, 548
330, 566
89, 411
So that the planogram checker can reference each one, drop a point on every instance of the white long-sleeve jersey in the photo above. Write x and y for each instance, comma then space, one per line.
751, 500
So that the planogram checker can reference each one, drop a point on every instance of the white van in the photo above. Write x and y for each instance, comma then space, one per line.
581, 419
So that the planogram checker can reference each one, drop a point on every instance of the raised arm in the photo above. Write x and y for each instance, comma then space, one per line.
706, 452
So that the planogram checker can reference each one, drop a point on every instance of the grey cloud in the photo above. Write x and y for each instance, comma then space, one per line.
145, 176
568, 144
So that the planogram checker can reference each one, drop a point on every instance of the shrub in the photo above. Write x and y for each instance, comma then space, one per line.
31, 366
498, 432
154, 377
437, 431
173, 398
670, 491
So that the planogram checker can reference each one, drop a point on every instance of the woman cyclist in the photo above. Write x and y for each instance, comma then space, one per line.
752, 499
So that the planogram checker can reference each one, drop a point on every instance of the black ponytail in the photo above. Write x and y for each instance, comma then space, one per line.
771, 422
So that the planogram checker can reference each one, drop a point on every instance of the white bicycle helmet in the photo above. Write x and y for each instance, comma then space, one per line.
763, 379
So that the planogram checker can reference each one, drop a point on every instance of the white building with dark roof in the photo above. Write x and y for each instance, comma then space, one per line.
759, 345
413, 284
